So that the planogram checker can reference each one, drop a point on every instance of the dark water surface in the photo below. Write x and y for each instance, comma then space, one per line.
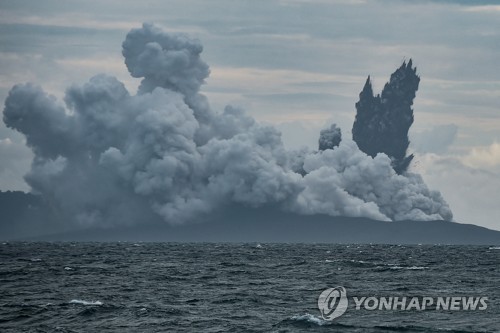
164, 287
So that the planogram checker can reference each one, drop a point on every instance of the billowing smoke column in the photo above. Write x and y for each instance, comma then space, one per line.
382, 122
110, 157
330, 138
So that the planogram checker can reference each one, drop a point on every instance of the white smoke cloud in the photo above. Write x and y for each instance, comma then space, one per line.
111, 157
164, 60
372, 181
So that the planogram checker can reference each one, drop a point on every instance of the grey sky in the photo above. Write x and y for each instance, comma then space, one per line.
297, 64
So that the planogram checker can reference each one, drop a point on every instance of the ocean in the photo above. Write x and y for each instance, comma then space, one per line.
210, 287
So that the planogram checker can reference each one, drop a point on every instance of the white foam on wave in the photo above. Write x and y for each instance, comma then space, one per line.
409, 268
350, 260
68, 268
82, 302
494, 248
309, 318
360, 262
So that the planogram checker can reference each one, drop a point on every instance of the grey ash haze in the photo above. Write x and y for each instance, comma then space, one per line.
107, 156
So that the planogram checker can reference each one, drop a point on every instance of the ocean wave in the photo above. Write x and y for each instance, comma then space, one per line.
351, 262
309, 319
376, 265
409, 267
82, 302
415, 328
46, 305
494, 248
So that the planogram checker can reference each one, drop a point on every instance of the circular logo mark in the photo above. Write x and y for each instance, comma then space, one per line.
332, 303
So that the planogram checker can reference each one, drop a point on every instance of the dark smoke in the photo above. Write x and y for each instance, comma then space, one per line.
330, 138
108, 156
382, 121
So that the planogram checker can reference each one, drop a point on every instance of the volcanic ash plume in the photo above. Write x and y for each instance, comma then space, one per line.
108, 157
382, 122
330, 138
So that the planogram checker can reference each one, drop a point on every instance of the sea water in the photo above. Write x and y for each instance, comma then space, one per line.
168, 287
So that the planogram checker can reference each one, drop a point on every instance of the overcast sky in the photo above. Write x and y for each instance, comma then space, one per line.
297, 64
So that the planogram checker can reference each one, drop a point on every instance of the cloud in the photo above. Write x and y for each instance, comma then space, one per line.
472, 193
486, 158
15, 161
107, 156
436, 139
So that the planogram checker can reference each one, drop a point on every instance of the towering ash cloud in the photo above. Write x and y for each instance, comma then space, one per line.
382, 122
108, 156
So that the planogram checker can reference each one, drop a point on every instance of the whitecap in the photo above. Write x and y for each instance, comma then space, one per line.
494, 248
258, 246
68, 268
82, 302
409, 268
359, 262
309, 318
